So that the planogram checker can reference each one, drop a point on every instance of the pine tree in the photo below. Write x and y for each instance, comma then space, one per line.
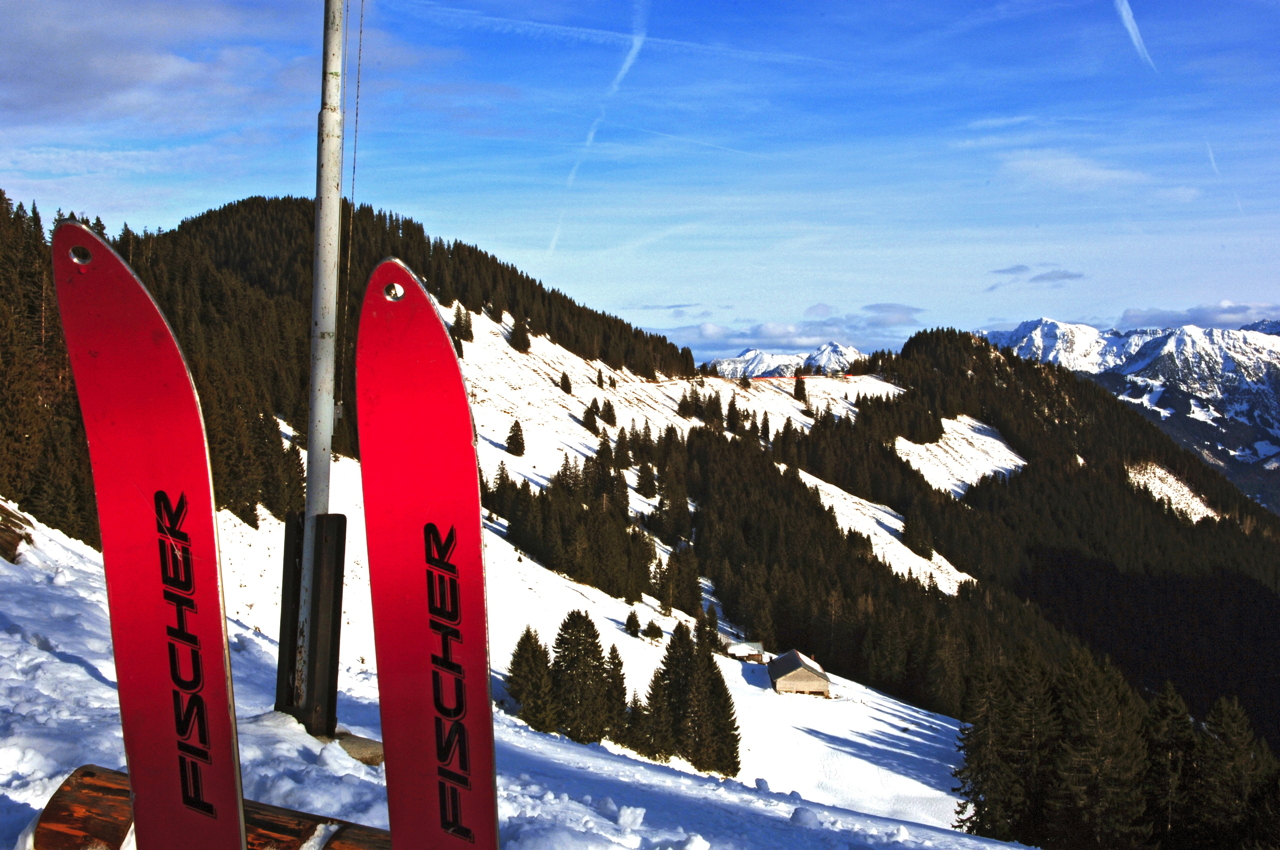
659, 735
632, 625
578, 676
646, 485
1098, 796
1031, 742
1231, 766
987, 783
722, 738
519, 339
615, 697
530, 682
622, 451
1171, 740
515, 439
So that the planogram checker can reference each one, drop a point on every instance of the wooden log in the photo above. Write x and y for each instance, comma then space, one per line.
91, 811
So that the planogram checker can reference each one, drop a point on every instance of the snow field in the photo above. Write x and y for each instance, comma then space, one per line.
884, 527
1164, 486
968, 452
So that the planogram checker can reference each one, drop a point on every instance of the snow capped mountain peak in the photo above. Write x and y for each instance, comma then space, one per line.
1216, 391
830, 357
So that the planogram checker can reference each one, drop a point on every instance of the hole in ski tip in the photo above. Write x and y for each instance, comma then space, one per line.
393, 291
80, 255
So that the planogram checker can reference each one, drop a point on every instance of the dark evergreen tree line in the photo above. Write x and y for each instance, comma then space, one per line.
687, 712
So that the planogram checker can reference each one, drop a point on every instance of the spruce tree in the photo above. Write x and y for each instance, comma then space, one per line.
659, 735
1032, 732
1098, 797
589, 419
530, 682
564, 383
515, 439
646, 485
632, 625
607, 414
1231, 766
722, 737
652, 631
1171, 740
578, 676
519, 339
461, 328
622, 451
798, 392
615, 697
987, 782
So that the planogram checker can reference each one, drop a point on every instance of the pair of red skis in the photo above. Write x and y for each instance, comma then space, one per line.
159, 542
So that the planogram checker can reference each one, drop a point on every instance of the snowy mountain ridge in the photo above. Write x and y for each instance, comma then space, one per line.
827, 359
1217, 392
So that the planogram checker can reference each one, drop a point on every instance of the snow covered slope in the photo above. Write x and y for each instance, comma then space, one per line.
1217, 392
860, 769
968, 452
884, 527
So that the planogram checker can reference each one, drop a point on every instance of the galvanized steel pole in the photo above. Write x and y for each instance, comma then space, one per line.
324, 315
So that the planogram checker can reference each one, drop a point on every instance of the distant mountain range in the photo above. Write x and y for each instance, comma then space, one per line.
1217, 392
828, 358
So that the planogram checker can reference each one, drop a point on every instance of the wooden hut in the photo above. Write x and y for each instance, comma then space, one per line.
746, 651
793, 673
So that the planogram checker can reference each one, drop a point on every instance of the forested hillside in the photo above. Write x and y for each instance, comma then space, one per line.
235, 284
1090, 595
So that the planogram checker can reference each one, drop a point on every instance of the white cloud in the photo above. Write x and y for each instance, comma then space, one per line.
1224, 314
1068, 171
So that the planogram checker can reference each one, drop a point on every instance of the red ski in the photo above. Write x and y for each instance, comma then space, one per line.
426, 573
159, 547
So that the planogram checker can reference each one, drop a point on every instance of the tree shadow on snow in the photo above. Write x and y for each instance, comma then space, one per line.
925, 755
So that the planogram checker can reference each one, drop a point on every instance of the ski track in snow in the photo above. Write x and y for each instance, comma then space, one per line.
968, 452
860, 770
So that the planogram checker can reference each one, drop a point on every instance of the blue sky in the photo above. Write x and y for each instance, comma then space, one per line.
731, 173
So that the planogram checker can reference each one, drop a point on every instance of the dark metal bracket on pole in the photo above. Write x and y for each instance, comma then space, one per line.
312, 698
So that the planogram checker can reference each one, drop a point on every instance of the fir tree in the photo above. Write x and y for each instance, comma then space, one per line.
652, 631
722, 737
1231, 766
1171, 740
600, 380
607, 413
530, 682
461, 328
646, 485
564, 383
515, 439
632, 625
1098, 799
589, 419
798, 392
615, 697
578, 676
622, 451
519, 339
659, 740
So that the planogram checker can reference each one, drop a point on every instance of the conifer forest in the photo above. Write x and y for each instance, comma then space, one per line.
1114, 662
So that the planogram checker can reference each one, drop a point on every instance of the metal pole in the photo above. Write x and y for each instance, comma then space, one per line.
324, 313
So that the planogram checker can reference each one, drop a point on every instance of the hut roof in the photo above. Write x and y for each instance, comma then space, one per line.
791, 661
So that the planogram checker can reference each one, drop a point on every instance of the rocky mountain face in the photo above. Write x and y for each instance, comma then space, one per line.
828, 358
1217, 392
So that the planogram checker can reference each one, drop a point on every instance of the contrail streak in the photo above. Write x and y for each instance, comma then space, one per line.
639, 30
1126, 16
1212, 161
